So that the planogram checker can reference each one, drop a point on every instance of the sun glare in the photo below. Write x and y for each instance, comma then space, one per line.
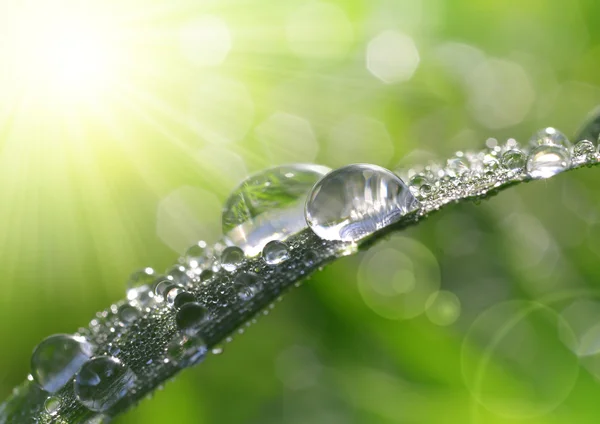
68, 54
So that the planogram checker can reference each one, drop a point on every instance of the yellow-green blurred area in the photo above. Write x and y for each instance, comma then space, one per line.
124, 124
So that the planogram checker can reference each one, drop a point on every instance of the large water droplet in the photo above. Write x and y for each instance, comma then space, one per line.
355, 201
549, 137
189, 318
185, 351
269, 205
102, 382
231, 258
546, 160
275, 252
56, 360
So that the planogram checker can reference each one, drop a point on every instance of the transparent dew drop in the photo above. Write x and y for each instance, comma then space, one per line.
246, 285
269, 206
197, 254
549, 137
206, 275
52, 405
584, 148
275, 252
355, 201
178, 275
546, 160
421, 185
514, 160
231, 258
128, 313
162, 287
190, 317
186, 350
56, 360
138, 284
457, 165
102, 382
178, 297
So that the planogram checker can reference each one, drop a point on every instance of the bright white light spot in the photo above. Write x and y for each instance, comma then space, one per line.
287, 138
392, 57
54, 49
319, 31
500, 93
206, 41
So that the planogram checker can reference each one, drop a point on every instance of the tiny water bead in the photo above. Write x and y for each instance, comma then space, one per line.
189, 318
139, 283
52, 405
546, 161
269, 205
197, 254
101, 382
514, 160
355, 201
246, 285
275, 252
56, 360
186, 350
231, 258
128, 313
549, 137
177, 297
421, 185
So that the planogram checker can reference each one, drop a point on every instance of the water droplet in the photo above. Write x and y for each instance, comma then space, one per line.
139, 283
421, 185
56, 360
128, 313
217, 350
549, 137
231, 258
52, 405
310, 258
247, 284
162, 287
457, 166
189, 318
178, 297
355, 201
545, 161
269, 205
113, 350
103, 381
178, 275
584, 148
186, 350
514, 159
196, 255
275, 252
205, 275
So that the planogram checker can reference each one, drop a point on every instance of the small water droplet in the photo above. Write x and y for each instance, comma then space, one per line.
269, 205
162, 287
231, 258
355, 201
178, 275
421, 185
189, 317
186, 350
102, 382
247, 284
113, 350
52, 405
196, 255
177, 297
584, 148
206, 274
275, 252
549, 137
138, 284
514, 159
56, 360
217, 350
545, 161
128, 313
457, 166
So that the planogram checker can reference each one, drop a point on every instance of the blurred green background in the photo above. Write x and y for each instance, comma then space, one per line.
124, 124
